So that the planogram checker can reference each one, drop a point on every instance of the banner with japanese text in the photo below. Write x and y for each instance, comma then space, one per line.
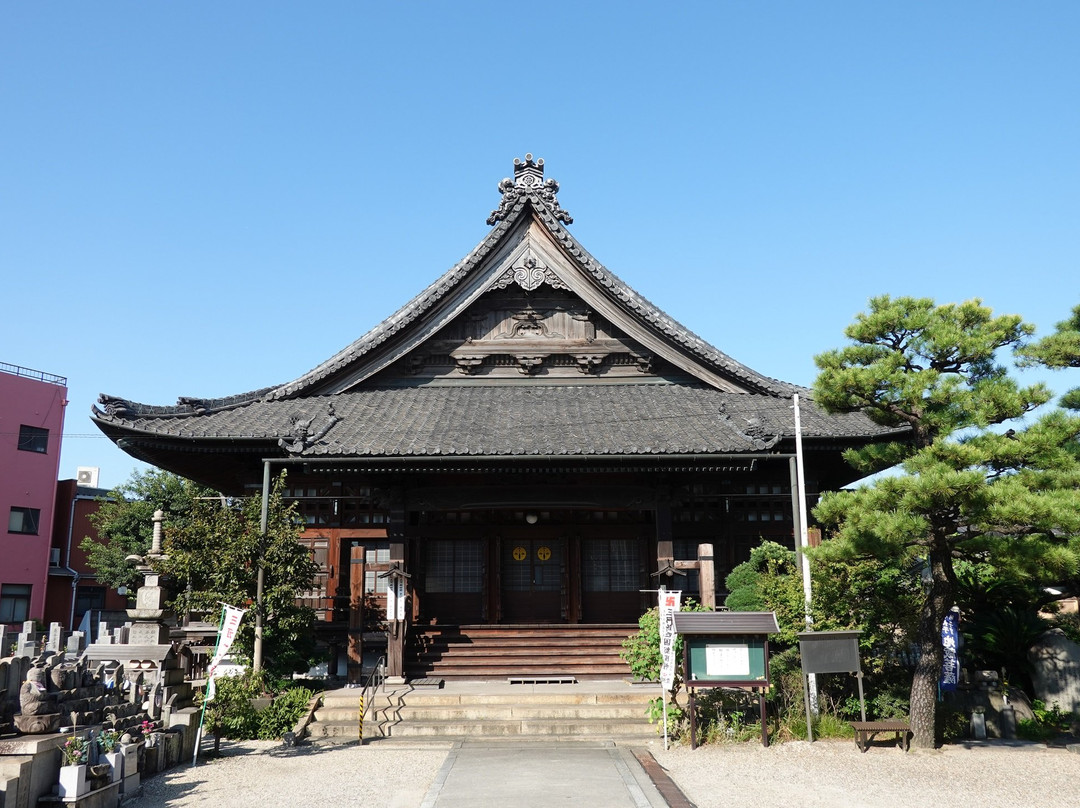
950, 660
230, 625
669, 604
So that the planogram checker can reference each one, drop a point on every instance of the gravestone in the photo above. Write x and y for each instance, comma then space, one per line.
27, 642
56, 634
75, 643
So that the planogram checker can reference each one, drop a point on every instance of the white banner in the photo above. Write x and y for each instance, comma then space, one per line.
230, 624
395, 599
669, 604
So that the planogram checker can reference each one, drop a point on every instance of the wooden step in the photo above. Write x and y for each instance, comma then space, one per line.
502, 651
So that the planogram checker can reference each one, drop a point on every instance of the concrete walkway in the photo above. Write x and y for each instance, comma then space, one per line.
540, 774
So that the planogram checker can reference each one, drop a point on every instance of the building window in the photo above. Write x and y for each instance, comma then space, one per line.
33, 439
24, 520
610, 565
14, 603
87, 598
455, 566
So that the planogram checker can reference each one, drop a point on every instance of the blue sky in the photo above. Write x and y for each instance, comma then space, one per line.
202, 199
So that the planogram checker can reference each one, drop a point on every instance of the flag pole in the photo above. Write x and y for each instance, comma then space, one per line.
202, 714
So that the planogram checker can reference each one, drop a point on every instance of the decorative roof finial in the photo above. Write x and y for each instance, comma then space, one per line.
528, 173
529, 182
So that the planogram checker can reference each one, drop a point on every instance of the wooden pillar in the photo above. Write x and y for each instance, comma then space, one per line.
706, 576
356, 615
398, 622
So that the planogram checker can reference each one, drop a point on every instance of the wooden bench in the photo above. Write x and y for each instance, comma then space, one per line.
866, 730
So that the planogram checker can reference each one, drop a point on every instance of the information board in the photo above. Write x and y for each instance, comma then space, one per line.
726, 658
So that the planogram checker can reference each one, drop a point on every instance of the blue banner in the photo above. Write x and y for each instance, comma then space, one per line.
950, 642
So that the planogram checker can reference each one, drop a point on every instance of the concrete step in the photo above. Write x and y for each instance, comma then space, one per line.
492, 729
416, 698
481, 712
497, 711
449, 728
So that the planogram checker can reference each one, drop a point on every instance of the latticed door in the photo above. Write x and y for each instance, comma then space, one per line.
533, 573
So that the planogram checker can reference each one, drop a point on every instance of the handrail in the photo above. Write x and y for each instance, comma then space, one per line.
27, 373
375, 680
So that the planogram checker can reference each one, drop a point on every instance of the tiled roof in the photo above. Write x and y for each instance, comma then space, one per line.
726, 623
512, 420
518, 202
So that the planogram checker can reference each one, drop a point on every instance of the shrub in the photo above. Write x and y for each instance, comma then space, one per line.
283, 713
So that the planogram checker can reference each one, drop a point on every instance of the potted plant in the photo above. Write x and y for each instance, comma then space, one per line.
151, 733
108, 741
74, 754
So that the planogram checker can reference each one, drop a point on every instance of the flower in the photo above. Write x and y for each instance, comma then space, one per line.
75, 751
107, 740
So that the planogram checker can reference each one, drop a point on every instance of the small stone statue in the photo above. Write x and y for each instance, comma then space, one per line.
38, 710
34, 696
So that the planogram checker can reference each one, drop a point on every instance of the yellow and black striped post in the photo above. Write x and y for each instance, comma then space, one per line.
360, 721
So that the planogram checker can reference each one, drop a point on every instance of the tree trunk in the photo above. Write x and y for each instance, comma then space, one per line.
924, 685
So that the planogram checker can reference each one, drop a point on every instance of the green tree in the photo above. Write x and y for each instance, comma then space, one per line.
1059, 350
873, 596
932, 372
214, 547
214, 556
770, 581
125, 525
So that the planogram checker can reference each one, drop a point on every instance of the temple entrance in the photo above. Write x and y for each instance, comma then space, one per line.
533, 572
611, 579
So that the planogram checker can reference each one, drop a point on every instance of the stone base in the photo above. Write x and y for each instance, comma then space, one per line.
107, 797
37, 724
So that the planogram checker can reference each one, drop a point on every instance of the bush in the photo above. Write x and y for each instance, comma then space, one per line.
1045, 726
641, 652
283, 713
231, 713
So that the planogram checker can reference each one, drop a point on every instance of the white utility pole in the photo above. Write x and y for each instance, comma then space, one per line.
804, 543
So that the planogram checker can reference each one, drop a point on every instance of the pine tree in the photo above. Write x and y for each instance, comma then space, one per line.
965, 490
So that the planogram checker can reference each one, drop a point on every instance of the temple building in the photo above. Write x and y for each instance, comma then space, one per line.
528, 440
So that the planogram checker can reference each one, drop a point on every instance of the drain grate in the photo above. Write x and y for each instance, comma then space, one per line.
542, 680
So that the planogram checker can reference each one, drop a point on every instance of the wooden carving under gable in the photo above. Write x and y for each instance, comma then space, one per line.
531, 328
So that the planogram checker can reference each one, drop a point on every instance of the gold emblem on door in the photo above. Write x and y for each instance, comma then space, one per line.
543, 552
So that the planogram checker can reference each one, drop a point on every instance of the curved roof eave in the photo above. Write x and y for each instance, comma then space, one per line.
518, 200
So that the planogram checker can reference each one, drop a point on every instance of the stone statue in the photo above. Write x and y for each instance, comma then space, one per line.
38, 709
34, 696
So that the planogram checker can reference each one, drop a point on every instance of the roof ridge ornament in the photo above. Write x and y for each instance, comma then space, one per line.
529, 182
300, 435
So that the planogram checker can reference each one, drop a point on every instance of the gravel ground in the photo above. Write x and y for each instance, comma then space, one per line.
834, 773
260, 774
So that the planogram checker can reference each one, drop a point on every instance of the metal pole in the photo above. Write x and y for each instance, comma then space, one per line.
804, 542
257, 650
202, 714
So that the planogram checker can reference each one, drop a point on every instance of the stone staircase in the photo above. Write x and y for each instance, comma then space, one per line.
612, 710
584, 651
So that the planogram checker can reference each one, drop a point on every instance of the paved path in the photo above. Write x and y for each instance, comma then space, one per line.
538, 774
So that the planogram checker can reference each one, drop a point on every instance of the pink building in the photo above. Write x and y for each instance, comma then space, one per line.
73, 586
32, 407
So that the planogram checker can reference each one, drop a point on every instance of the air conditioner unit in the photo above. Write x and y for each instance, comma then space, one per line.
87, 476
54, 556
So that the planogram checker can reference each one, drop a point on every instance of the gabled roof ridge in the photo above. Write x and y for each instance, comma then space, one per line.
407, 313
664, 322
530, 190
